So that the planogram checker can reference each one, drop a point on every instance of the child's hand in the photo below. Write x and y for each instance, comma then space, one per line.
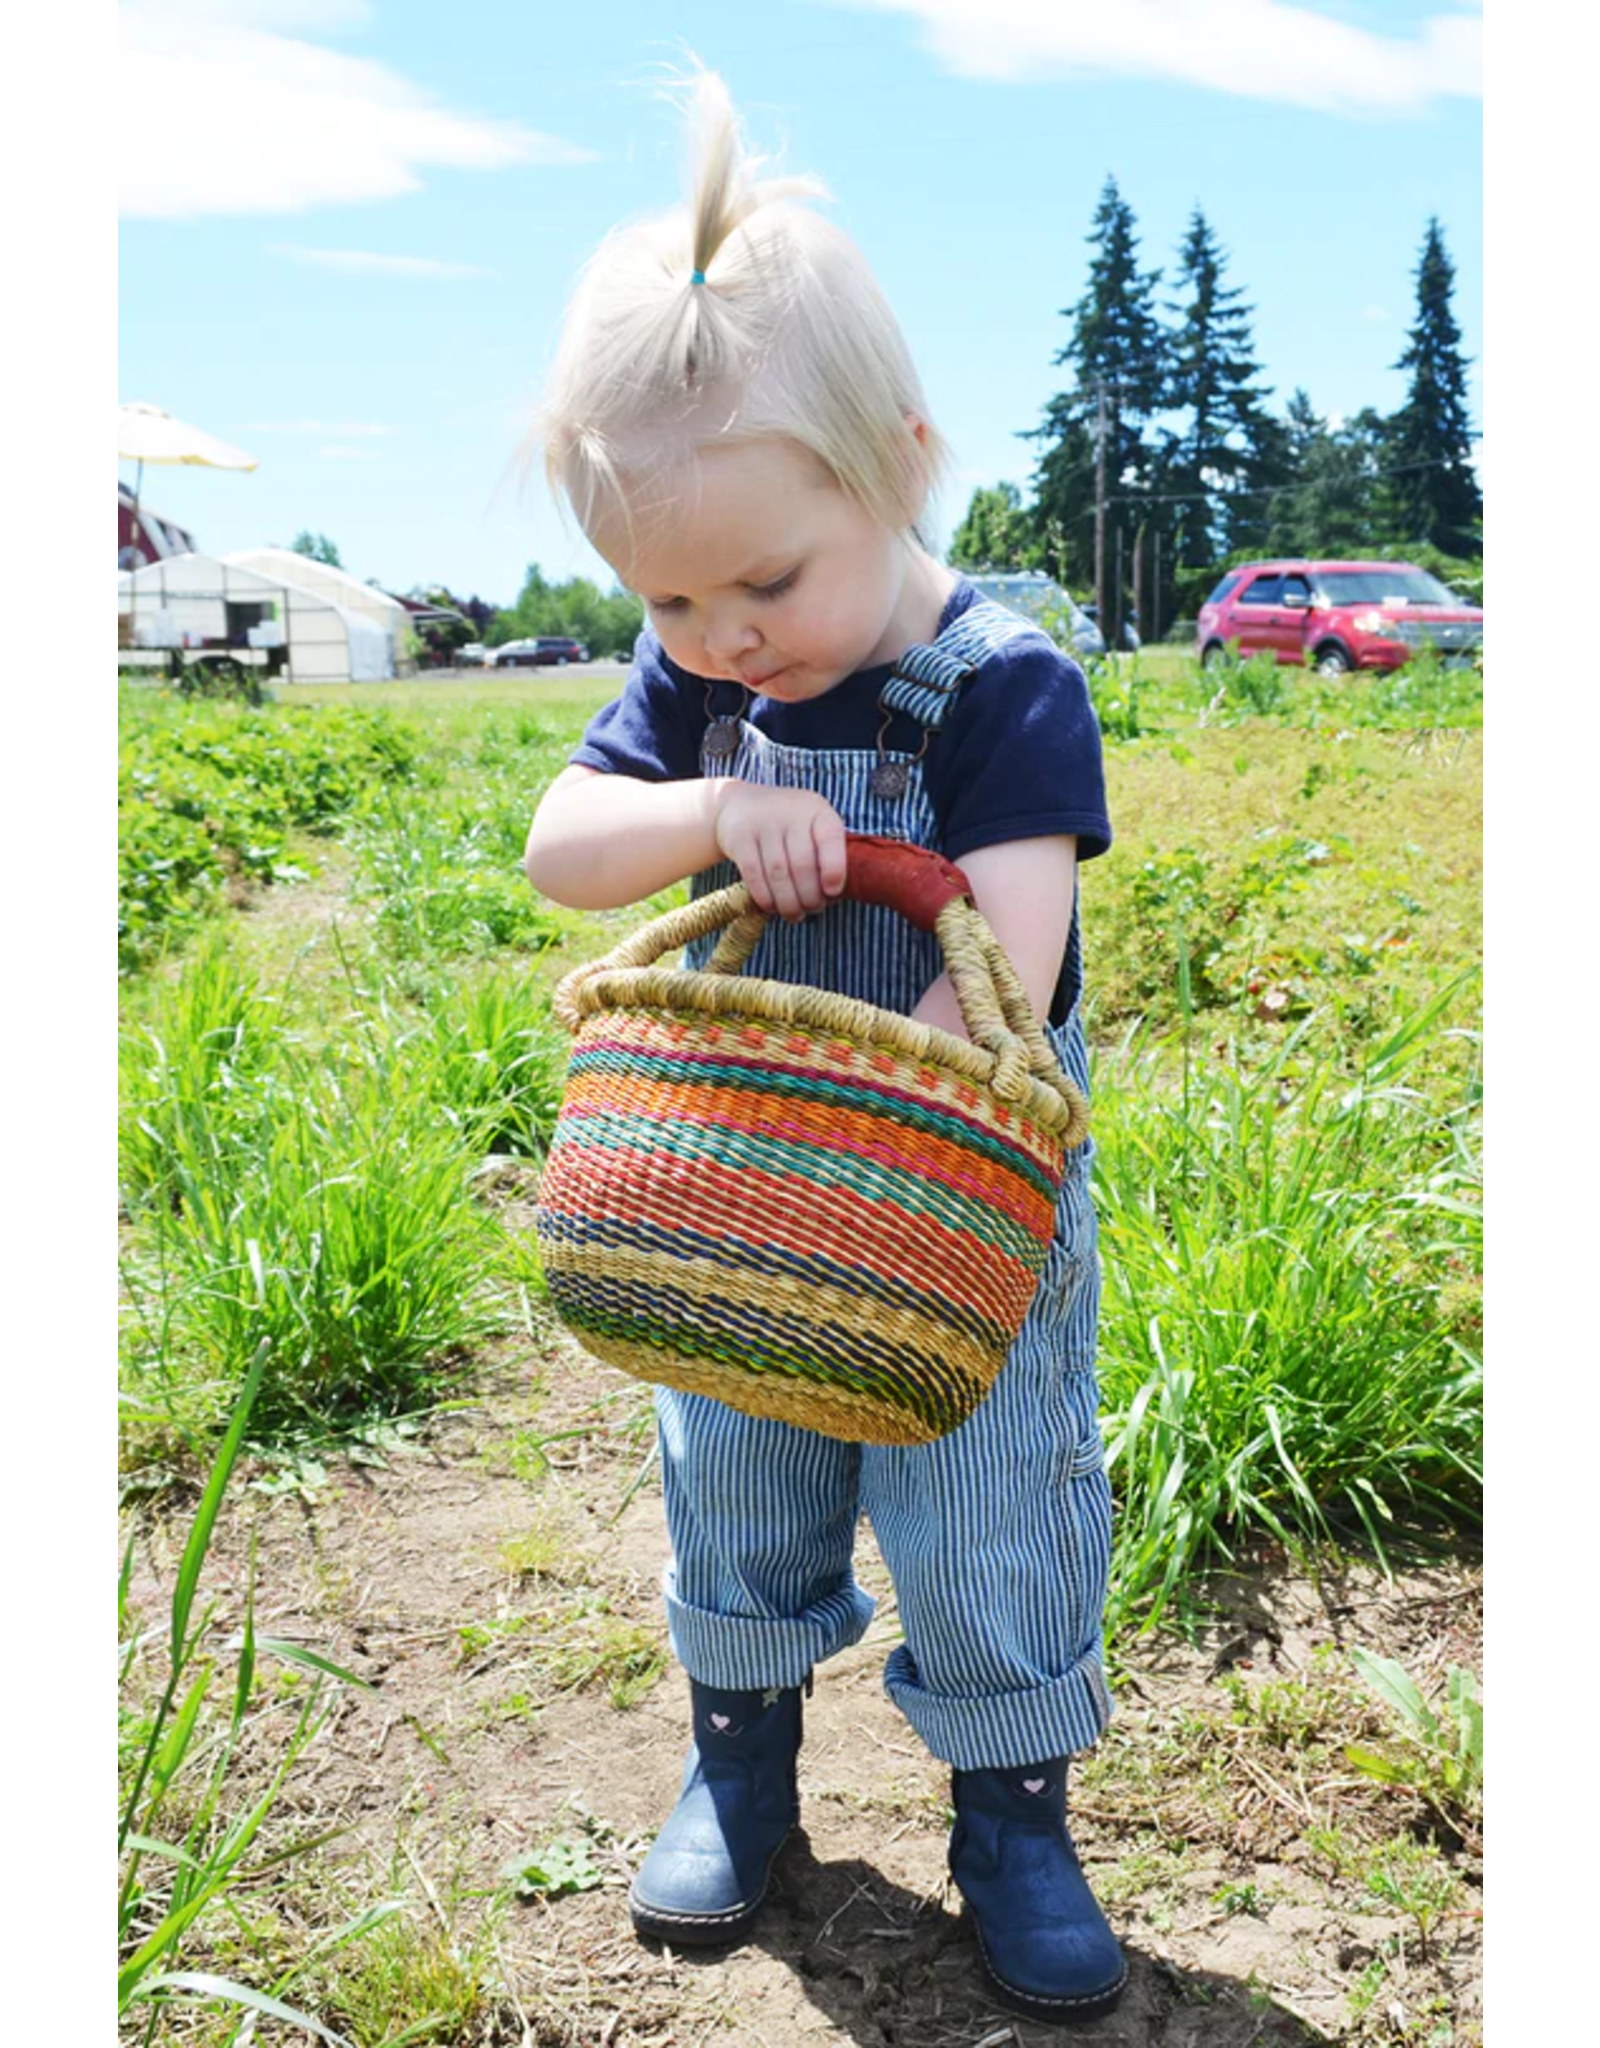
788, 845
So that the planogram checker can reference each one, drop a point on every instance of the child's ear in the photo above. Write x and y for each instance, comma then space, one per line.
919, 433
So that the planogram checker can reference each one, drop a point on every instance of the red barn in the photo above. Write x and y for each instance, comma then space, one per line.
144, 536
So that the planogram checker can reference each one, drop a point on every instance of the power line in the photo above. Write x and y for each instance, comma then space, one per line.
1266, 490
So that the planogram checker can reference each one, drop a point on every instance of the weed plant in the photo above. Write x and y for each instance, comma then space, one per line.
447, 877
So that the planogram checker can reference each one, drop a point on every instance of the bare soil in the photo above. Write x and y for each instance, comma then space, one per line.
503, 1603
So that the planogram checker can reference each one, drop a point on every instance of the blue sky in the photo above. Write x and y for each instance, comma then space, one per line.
350, 251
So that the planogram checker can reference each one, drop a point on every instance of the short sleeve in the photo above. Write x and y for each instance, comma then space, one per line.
1019, 756
653, 730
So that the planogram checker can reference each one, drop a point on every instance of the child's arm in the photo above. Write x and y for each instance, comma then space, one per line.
1024, 887
600, 841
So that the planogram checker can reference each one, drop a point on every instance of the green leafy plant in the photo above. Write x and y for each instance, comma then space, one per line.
563, 1865
206, 793
1414, 1880
1114, 690
1441, 1756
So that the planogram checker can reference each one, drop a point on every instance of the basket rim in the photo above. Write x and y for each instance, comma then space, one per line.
694, 996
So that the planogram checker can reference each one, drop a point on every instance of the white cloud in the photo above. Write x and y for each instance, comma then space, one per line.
230, 114
1374, 312
374, 262
1257, 49
347, 430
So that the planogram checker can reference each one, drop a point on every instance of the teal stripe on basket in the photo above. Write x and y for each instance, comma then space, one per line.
779, 1081
810, 1166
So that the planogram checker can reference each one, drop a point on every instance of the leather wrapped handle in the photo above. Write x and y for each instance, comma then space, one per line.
909, 879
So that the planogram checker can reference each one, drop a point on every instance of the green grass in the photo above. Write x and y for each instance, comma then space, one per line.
317, 1196
1287, 1114
1286, 1069
1276, 1354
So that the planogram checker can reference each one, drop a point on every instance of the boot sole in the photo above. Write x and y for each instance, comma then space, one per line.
1060, 2012
694, 1930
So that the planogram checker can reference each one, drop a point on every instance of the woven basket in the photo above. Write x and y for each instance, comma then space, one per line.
805, 1206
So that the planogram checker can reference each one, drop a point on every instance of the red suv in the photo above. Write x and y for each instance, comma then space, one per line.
1338, 616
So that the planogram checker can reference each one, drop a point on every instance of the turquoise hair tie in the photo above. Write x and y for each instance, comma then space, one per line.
697, 277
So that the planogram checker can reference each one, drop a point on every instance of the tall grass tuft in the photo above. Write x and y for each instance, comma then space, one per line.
340, 1227
190, 1073
1275, 1355
448, 875
497, 1062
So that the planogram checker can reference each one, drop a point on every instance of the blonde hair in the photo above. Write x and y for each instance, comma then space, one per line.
787, 335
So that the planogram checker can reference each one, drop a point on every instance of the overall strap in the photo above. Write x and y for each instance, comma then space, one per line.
926, 679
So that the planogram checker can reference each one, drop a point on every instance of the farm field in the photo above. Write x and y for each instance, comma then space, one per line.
338, 1075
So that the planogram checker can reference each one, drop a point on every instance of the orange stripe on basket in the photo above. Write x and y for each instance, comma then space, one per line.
852, 1229
828, 1126
819, 1059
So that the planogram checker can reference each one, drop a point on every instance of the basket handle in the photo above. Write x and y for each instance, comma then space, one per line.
925, 888
910, 879
913, 880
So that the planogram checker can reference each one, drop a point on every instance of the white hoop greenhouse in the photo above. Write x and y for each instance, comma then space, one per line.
203, 603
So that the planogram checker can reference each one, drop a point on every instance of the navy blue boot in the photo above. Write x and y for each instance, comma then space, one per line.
706, 1874
1047, 1949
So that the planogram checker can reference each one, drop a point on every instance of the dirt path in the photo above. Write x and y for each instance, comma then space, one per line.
503, 1602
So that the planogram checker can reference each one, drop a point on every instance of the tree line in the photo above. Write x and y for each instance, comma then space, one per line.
1165, 426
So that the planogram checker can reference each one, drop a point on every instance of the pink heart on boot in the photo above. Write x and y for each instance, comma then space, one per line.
720, 1721
1033, 1784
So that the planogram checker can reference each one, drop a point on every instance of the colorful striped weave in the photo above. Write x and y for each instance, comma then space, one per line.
832, 1233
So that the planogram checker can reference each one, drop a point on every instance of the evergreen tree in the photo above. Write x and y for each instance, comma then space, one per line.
1432, 492
1332, 505
1117, 346
1229, 443
995, 534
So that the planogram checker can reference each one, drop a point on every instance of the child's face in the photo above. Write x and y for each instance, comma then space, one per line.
763, 572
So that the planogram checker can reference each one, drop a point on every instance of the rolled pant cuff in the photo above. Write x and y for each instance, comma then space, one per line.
998, 1731
739, 1652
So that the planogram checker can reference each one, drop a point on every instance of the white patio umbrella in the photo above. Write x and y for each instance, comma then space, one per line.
147, 434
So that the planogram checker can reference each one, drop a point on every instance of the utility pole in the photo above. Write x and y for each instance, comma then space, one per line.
1155, 608
1116, 629
1138, 580
1100, 506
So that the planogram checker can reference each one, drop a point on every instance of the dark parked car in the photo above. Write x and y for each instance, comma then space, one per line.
548, 651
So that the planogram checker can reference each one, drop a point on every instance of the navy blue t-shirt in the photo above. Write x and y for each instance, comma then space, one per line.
1018, 756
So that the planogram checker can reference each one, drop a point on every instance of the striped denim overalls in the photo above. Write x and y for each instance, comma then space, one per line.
997, 1536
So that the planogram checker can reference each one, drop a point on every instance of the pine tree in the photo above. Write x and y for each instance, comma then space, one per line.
1229, 443
1432, 492
1119, 346
1331, 506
